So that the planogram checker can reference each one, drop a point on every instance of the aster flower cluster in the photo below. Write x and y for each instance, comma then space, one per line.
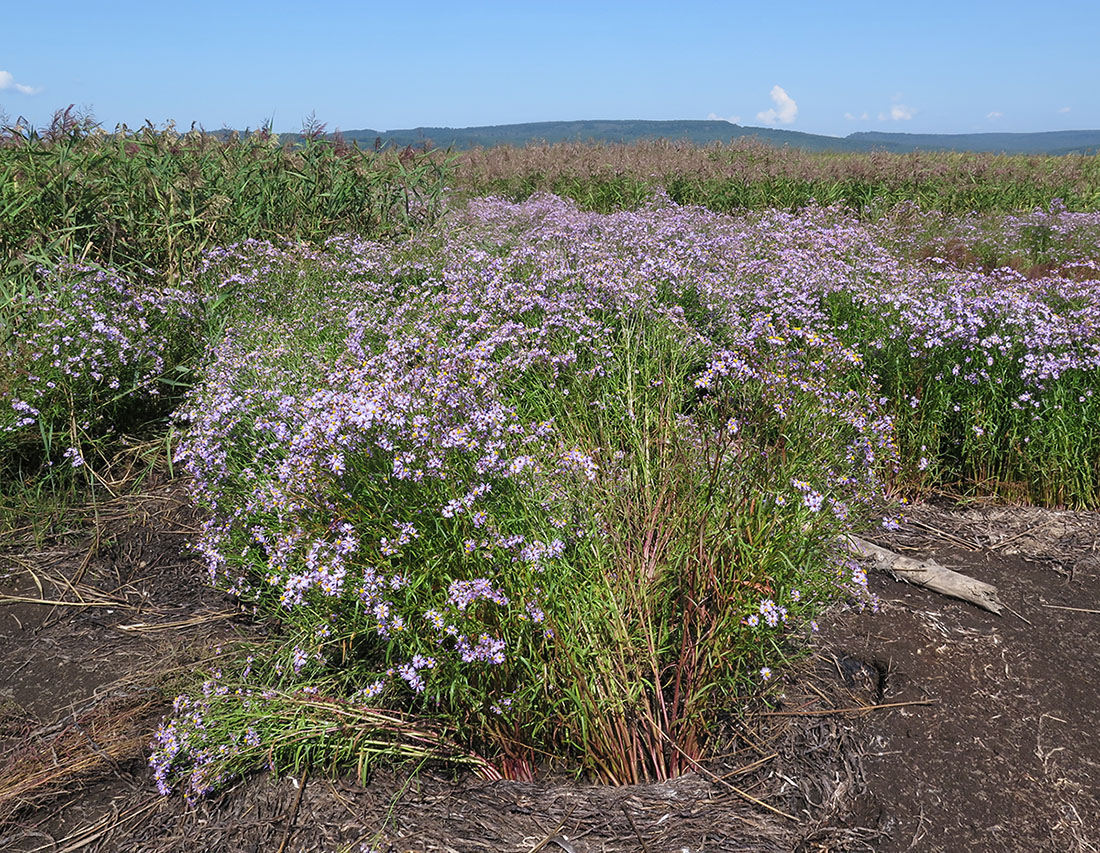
387, 448
1040, 241
412, 455
88, 348
988, 374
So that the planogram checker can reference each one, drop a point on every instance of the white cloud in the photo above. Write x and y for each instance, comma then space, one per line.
898, 112
785, 110
7, 81
716, 117
852, 116
1064, 110
993, 116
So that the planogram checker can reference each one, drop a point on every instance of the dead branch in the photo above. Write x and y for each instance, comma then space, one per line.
927, 573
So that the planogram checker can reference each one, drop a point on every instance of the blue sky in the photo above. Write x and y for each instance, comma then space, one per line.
821, 67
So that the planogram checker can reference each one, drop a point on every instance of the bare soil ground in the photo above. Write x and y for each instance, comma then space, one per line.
929, 725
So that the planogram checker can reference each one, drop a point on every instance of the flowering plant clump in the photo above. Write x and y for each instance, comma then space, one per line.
87, 354
1037, 243
560, 483
991, 377
464, 480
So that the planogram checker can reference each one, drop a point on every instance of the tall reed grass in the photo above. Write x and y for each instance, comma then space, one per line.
157, 199
749, 174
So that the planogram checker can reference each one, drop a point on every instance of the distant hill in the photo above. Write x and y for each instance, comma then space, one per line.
698, 132
703, 132
1050, 142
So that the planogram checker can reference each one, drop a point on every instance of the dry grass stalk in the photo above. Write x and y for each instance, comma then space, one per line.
111, 733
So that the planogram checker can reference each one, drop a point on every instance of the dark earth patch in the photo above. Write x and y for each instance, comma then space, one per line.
929, 725
1009, 757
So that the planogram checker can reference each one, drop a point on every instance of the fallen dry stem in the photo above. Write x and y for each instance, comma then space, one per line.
824, 712
200, 619
292, 818
22, 599
721, 781
82, 838
634, 826
552, 834
748, 768
107, 735
969, 544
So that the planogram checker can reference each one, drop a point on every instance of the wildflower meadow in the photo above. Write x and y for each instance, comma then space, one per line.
518, 484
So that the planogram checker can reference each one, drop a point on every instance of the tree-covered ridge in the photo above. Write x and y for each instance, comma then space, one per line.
704, 132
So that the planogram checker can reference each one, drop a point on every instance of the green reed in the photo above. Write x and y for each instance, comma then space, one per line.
156, 199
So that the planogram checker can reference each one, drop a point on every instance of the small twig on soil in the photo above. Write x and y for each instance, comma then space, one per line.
38, 556
958, 540
722, 781
1012, 538
749, 767
293, 817
1017, 615
1074, 609
85, 837
11, 675
96, 748
634, 826
201, 619
21, 599
824, 712
552, 836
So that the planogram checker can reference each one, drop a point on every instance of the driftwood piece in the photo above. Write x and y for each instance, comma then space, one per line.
927, 573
